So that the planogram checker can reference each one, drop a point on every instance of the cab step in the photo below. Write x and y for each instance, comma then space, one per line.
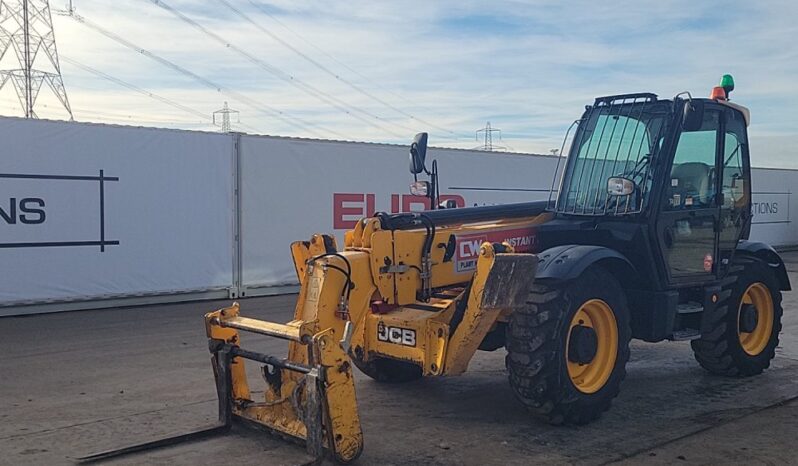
689, 308
686, 334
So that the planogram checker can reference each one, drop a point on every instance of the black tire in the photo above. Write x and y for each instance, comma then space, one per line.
536, 345
719, 349
387, 370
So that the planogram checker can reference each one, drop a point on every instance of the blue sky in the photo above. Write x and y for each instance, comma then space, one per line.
446, 67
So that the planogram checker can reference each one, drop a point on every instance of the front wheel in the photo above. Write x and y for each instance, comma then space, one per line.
568, 348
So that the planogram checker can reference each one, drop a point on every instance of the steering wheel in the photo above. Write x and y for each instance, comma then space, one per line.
639, 172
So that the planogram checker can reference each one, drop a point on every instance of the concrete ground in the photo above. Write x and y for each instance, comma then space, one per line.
81, 382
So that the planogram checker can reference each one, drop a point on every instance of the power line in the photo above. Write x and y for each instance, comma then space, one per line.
127, 117
146, 53
135, 118
249, 128
311, 90
320, 66
349, 68
243, 99
307, 88
135, 88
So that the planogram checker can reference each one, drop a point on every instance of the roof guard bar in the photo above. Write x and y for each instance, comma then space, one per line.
610, 99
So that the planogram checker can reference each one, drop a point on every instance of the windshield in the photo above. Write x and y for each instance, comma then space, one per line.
613, 140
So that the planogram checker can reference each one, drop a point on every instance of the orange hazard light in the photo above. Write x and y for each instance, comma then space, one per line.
718, 93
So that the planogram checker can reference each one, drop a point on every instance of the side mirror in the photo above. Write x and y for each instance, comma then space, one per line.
617, 186
418, 153
693, 115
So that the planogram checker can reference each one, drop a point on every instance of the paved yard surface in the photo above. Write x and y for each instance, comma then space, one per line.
76, 383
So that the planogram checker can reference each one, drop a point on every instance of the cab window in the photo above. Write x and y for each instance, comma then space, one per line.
692, 178
733, 184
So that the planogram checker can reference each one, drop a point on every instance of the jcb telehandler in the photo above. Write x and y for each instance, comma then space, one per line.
647, 239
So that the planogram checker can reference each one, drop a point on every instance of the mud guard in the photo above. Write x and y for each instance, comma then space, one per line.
569, 261
770, 256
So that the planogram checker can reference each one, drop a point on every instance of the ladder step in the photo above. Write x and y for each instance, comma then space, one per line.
689, 308
686, 334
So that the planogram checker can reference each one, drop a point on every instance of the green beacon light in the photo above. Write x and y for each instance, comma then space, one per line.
727, 83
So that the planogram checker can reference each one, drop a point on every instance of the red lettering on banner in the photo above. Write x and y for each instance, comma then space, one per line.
370, 205
394, 203
408, 201
340, 211
348, 208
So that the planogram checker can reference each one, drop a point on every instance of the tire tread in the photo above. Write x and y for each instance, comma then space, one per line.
536, 373
718, 350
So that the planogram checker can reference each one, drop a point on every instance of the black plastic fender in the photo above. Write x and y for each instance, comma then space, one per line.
766, 253
569, 261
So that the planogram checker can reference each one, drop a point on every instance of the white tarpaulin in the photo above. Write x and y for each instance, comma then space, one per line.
91, 211
95, 211
773, 207
291, 189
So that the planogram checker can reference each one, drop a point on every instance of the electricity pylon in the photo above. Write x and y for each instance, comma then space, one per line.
224, 114
26, 28
488, 144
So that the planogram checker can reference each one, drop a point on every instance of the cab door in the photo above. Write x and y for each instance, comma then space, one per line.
687, 233
735, 186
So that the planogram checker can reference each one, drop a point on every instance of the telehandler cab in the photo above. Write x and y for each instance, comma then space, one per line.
647, 238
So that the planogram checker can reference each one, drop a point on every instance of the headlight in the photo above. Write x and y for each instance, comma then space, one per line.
420, 188
617, 186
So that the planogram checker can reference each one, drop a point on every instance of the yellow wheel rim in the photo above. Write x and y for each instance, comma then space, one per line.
590, 377
754, 342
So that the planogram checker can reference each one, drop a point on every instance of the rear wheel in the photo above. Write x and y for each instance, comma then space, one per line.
568, 348
739, 337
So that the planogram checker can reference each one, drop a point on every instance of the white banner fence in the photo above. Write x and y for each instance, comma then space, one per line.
100, 216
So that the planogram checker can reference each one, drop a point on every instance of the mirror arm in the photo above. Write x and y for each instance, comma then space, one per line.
433, 192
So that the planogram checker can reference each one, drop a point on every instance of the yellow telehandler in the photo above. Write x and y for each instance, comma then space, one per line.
647, 238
